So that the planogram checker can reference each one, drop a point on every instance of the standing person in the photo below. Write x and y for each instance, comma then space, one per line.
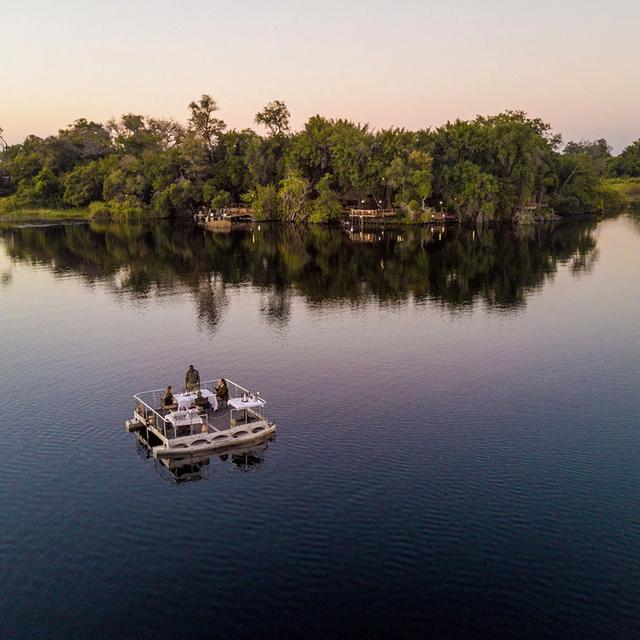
192, 379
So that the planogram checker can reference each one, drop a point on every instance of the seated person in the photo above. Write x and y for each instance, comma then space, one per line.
222, 391
202, 403
169, 402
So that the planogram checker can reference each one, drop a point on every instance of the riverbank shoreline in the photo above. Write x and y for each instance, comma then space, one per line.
45, 215
53, 216
36, 215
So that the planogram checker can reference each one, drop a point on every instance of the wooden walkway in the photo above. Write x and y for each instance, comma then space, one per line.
363, 216
372, 213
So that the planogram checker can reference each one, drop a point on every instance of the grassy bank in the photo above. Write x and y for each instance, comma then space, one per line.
628, 189
42, 215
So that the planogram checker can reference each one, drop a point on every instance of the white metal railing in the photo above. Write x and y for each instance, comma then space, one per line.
152, 401
148, 411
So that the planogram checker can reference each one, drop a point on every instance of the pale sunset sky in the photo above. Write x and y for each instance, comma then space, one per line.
406, 63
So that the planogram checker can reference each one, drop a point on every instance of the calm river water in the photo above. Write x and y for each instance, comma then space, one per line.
458, 439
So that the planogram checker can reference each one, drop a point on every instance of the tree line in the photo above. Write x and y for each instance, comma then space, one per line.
500, 167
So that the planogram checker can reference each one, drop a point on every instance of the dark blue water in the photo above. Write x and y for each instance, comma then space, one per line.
457, 450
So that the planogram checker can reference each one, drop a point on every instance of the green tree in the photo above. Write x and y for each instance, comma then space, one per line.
21, 164
83, 185
220, 200
204, 124
515, 150
598, 151
579, 190
410, 180
628, 162
166, 133
264, 202
275, 117
126, 179
178, 197
230, 171
135, 134
194, 159
45, 189
311, 149
327, 206
390, 147
90, 140
266, 159
421, 177
293, 196
477, 192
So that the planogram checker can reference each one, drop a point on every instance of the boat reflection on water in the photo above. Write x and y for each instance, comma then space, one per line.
193, 468
246, 459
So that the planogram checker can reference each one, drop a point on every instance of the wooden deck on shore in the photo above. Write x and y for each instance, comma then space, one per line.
236, 211
225, 219
372, 213
363, 216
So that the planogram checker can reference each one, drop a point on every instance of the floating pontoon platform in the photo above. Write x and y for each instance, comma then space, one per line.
187, 431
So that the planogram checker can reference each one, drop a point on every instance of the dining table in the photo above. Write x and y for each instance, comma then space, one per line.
187, 399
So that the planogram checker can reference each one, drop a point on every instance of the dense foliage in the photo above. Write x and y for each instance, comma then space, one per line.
500, 167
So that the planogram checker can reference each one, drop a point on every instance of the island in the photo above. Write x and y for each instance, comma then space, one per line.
505, 167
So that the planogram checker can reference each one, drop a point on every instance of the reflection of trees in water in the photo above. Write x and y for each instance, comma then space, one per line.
500, 266
584, 261
211, 299
6, 277
276, 306
634, 215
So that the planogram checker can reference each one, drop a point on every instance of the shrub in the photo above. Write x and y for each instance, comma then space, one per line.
327, 206
293, 198
83, 184
264, 202
130, 208
220, 200
99, 210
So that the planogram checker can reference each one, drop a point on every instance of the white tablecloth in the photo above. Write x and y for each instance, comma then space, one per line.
184, 418
187, 400
239, 403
